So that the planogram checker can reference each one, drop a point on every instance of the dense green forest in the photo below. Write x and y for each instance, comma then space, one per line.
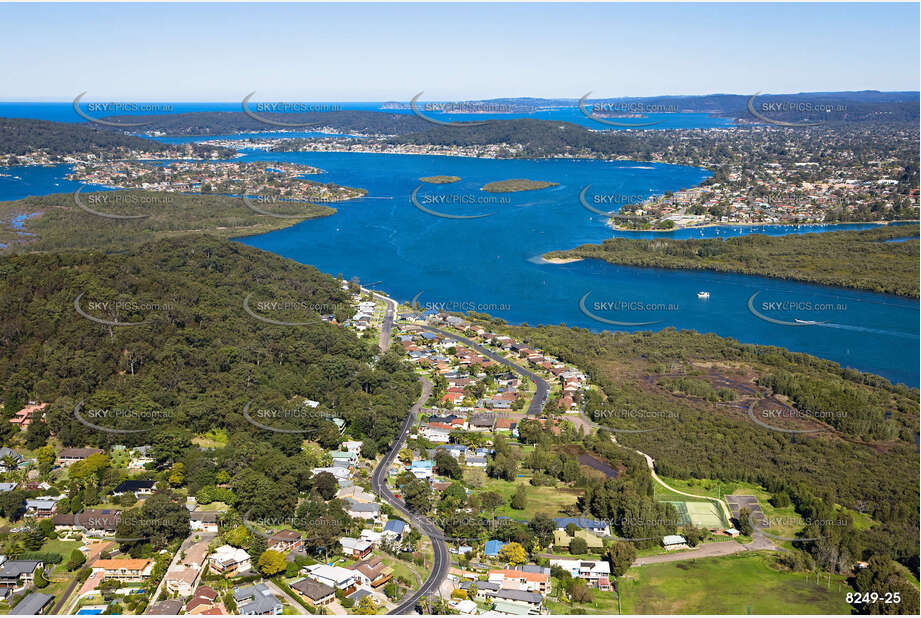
222, 123
867, 463
199, 357
62, 224
21, 136
861, 260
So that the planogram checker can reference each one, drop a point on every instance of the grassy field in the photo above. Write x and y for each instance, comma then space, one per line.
737, 584
548, 500
603, 603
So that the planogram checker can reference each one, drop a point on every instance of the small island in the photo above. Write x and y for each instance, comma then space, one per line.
440, 180
517, 184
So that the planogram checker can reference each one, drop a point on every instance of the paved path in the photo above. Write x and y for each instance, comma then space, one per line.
387, 325
442, 561
298, 608
542, 390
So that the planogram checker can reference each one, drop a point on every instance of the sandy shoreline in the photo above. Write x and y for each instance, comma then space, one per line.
617, 228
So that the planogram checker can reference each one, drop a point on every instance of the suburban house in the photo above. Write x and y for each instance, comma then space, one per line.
286, 540
257, 600
482, 422
672, 542
180, 579
355, 493
69, 456
597, 527
97, 521
204, 600
509, 601
347, 457
35, 604
395, 529
16, 573
515, 579
23, 418
167, 607
204, 520
434, 433
138, 488
314, 593
356, 548
229, 561
422, 468
353, 446
368, 511
374, 569
493, 547
43, 506
596, 573
475, 462
333, 576
124, 569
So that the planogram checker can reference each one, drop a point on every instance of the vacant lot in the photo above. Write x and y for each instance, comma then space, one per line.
552, 501
738, 584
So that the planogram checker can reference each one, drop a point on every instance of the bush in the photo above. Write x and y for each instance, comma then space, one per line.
47, 557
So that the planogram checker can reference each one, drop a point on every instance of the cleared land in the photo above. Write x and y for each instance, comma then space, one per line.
737, 584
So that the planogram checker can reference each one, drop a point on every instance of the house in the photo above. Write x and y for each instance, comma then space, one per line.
97, 521
506, 424
531, 600
23, 418
562, 538
596, 573
502, 607
597, 527
205, 521
355, 493
180, 580
395, 529
353, 446
371, 536
138, 488
43, 506
333, 576
203, 601
516, 579
168, 607
672, 542
482, 422
362, 510
493, 547
34, 604
196, 554
374, 569
484, 588
16, 573
314, 593
422, 468
435, 434
356, 548
348, 457
229, 561
475, 462
358, 595
454, 450
124, 569
257, 600
7, 487
465, 607
286, 540
69, 456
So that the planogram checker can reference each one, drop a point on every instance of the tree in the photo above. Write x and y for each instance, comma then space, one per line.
271, 563
77, 560
405, 456
238, 537
35, 538
520, 498
581, 593
366, 606
41, 581
620, 555
744, 522
513, 553
418, 496
542, 527
448, 466
326, 485
578, 546
490, 500
259, 546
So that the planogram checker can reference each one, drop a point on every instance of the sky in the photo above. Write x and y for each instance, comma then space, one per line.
375, 52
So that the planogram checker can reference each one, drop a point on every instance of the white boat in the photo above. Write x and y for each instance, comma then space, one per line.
703, 295
798, 321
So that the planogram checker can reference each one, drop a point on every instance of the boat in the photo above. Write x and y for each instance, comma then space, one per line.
703, 295
798, 321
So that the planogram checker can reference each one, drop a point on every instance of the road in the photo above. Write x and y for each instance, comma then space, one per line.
442, 559
542, 390
387, 325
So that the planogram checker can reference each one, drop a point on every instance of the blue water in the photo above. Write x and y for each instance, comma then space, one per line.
493, 262
89, 612
64, 112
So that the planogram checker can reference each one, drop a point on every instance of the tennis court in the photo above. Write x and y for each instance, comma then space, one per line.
704, 514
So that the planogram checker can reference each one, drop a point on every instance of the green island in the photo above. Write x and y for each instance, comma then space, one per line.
62, 224
516, 184
440, 180
861, 260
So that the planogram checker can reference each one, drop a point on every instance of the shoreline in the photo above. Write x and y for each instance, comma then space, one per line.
677, 228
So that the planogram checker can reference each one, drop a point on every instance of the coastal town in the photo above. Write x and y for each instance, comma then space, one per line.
284, 181
89, 530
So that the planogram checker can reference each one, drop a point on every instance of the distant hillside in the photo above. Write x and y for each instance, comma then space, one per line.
62, 224
19, 136
221, 123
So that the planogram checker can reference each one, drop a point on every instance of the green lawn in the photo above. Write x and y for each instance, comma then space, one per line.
737, 584
603, 603
547, 500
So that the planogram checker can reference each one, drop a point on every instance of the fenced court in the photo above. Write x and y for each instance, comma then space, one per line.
701, 514
684, 518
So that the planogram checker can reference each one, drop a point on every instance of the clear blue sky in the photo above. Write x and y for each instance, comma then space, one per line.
372, 52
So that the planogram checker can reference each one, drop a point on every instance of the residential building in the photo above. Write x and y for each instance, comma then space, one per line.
493, 547
180, 580
69, 456
314, 593
596, 573
672, 542
356, 548
515, 579
139, 488
374, 569
229, 561
600, 528
257, 600
286, 540
168, 607
333, 576
395, 529
368, 511
16, 573
35, 604
206, 521
124, 569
